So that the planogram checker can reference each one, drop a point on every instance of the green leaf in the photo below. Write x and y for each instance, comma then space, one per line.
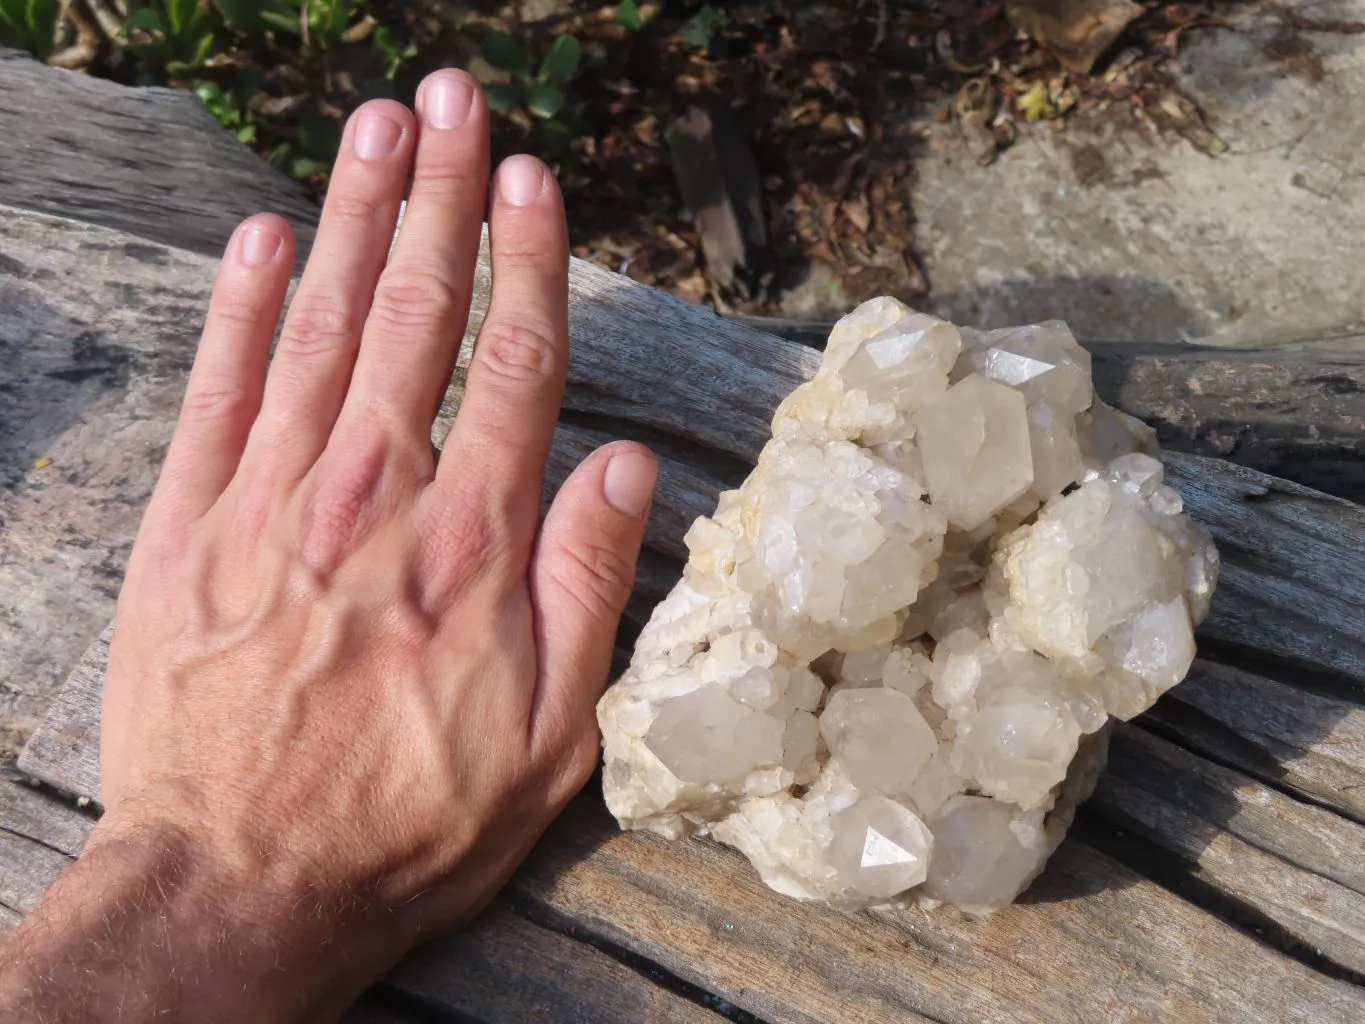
243, 15
205, 47
544, 100
506, 54
702, 27
283, 21
246, 133
182, 15
41, 17
302, 167
388, 45
502, 97
320, 136
562, 60
628, 14
145, 19
209, 93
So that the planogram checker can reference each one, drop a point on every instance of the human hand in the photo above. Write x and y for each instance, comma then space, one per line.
351, 682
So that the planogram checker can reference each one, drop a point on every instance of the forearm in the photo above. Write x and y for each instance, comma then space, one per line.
147, 927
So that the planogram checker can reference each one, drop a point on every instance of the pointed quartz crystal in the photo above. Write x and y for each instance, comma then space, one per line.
879, 736
894, 353
981, 858
708, 736
1042, 361
975, 442
880, 848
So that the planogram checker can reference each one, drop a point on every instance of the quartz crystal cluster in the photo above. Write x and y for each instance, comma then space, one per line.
887, 670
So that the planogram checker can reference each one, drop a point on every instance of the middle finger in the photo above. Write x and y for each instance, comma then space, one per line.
421, 305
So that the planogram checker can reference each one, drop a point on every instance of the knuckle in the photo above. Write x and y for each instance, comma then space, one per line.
237, 312
444, 178
597, 576
520, 253
516, 353
214, 400
318, 326
410, 300
463, 536
341, 506
352, 206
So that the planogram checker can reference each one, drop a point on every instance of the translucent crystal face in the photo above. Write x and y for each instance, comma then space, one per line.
975, 442
887, 669
880, 848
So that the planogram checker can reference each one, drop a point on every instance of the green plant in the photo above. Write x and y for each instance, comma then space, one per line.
172, 34
395, 53
628, 14
29, 25
321, 23
230, 104
701, 29
542, 92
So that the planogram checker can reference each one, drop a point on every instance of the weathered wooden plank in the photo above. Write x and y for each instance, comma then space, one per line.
27, 869
1279, 733
1296, 414
503, 969
1292, 583
1302, 867
64, 750
39, 839
1313, 838
151, 162
37, 815
1293, 412
1093, 940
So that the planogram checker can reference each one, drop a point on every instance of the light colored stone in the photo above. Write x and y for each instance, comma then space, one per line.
880, 847
888, 669
975, 443
986, 853
879, 736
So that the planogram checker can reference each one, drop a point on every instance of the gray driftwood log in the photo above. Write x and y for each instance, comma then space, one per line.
1219, 875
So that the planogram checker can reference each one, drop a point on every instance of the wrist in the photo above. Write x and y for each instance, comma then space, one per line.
153, 923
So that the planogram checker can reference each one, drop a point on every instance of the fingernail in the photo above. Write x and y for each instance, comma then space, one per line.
259, 247
628, 483
376, 136
446, 99
521, 179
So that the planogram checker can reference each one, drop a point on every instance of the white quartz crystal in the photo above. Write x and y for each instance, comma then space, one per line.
887, 671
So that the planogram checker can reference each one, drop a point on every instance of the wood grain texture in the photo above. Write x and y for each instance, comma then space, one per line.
1285, 735
1093, 940
1292, 583
503, 969
151, 162
64, 749
1301, 867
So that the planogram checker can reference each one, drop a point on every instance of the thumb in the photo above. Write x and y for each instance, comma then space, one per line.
583, 571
